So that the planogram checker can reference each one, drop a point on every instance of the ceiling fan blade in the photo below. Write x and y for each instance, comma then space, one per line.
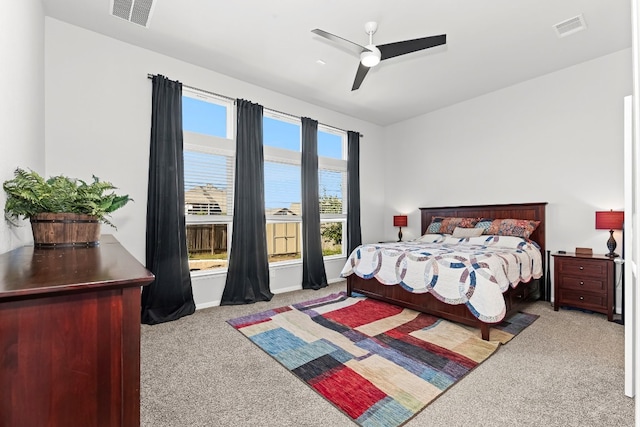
391, 50
360, 75
343, 42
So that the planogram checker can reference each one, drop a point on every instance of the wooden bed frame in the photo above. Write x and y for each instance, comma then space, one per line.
427, 303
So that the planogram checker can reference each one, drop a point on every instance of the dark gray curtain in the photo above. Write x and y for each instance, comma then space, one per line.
313, 272
354, 237
248, 273
170, 296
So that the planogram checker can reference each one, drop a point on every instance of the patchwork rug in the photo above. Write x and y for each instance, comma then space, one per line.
378, 363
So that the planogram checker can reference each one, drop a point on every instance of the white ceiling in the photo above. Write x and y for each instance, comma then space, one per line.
491, 44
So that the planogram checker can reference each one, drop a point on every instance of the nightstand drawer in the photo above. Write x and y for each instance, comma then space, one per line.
582, 267
583, 299
583, 284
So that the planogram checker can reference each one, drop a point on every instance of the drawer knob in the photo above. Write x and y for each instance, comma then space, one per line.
581, 298
581, 268
581, 283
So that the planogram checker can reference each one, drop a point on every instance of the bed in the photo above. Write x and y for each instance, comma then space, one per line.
514, 297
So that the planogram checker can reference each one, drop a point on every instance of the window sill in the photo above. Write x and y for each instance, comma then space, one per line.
285, 264
276, 266
205, 273
342, 257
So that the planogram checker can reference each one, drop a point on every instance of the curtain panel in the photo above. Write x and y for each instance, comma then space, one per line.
314, 275
248, 273
354, 237
170, 295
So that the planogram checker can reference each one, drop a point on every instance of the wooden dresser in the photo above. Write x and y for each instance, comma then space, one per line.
584, 281
70, 336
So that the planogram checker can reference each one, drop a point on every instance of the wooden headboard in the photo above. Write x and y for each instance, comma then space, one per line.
533, 211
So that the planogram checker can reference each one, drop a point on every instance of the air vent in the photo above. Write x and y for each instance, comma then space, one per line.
570, 26
136, 11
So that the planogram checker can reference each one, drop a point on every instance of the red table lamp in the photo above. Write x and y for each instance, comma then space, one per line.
610, 220
400, 221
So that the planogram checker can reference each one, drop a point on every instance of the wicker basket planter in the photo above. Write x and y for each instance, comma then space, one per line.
65, 230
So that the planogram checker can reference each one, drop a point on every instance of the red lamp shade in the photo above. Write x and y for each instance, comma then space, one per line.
399, 220
609, 220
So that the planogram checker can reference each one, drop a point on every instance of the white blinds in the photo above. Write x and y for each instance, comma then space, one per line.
208, 182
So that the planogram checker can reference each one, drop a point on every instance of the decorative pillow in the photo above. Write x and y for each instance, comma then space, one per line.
484, 223
512, 227
467, 232
446, 225
435, 225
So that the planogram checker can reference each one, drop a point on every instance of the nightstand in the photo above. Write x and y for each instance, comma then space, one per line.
584, 281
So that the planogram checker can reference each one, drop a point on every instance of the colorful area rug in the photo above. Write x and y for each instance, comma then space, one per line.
378, 363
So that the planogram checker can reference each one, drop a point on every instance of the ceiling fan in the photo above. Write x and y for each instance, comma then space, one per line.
371, 55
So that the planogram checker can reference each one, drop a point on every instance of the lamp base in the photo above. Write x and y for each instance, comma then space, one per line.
611, 245
400, 235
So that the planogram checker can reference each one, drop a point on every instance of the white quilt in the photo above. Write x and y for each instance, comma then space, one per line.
474, 271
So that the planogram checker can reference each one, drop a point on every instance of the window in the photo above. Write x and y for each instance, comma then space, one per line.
332, 176
283, 148
282, 186
208, 178
201, 115
209, 162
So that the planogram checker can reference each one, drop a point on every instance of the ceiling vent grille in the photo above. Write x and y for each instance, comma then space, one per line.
570, 26
136, 11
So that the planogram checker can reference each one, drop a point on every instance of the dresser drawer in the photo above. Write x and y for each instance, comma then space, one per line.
583, 299
582, 267
583, 284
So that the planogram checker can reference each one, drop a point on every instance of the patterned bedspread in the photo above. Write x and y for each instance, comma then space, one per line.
474, 271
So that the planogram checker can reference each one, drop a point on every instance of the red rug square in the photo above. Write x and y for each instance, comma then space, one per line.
343, 385
363, 312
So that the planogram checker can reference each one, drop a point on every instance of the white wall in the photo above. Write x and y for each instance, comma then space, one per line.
22, 106
557, 139
98, 107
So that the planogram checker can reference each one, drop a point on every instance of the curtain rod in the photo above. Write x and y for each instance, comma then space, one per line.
151, 76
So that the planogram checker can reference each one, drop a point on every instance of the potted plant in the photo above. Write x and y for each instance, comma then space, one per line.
63, 211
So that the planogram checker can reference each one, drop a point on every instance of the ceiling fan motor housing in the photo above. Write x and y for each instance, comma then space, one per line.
372, 58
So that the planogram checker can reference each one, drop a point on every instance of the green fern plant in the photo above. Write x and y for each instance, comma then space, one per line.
29, 194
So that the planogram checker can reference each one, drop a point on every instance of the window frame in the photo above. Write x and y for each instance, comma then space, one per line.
215, 145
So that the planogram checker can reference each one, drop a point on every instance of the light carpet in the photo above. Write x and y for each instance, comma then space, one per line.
378, 363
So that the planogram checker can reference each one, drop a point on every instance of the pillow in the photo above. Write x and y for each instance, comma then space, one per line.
431, 238
467, 232
512, 242
446, 225
509, 227
484, 223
